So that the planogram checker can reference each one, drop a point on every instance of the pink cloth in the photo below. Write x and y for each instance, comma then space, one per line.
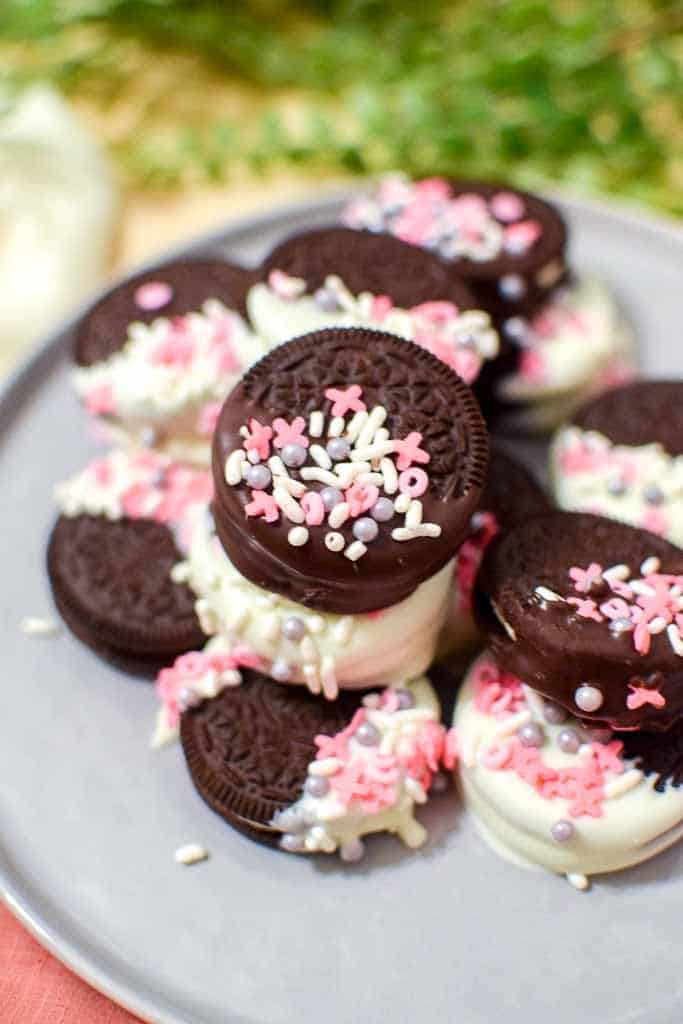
37, 989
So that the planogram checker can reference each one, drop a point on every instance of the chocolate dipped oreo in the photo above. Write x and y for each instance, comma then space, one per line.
588, 612
124, 525
512, 494
622, 456
365, 262
347, 465
168, 290
112, 585
284, 767
507, 244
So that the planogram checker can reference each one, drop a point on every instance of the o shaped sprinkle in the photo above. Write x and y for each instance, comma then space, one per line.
313, 507
334, 541
413, 482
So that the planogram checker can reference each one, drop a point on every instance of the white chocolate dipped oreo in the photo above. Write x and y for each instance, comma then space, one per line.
549, 792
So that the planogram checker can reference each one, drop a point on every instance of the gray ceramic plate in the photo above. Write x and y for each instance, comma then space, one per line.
91, 817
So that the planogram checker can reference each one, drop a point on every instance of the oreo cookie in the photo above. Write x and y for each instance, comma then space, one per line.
112, 585
588, 612
622, 456
167, 290
316, 776
512, 494
347, 465
508, 245
368, 263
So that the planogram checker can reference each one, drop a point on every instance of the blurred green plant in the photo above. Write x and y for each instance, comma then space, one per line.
582, 92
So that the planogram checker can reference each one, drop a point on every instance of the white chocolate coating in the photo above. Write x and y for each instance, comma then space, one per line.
336, 651
587, 469
636, 822
578, 345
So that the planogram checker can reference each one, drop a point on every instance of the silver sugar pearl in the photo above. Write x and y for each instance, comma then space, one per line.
616, 487
188, 698
292, 843
405, 699
331, 496
293, 455
367, 734
352, 851
259, 477
562, 831
316, 786
338, 449
290, 820
512, 286
281, 670
326, 300
294, 628
531, 735
568, 740
382, 510
653, 494
515, 328
588, 698
365, 529
620, 626
597, 734
554, 714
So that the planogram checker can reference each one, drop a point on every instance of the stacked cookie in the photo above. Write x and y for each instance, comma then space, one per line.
562, 336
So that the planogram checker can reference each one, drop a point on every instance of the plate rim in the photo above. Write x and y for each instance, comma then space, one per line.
27, 376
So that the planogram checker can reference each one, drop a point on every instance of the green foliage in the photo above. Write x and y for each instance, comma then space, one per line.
585, 92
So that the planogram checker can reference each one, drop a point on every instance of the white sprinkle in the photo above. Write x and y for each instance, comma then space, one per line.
390, 475
309, 651
656, 625
402, 503
336, 427
375, 479
253, 456
511, 724
208, 620
326, 766
338, 515
650, 566
298, 536
240, 615
617, 572
193, 853
310, 674
293, 487
343, 629
623, 783
180, 573
334, 541
638, 587
411, 532
675, 640
315, 624
414, 513
233, 467
533, 700
547, 595
277, 466
415, 790
355, 550
382, 435
372, 451
316, 424
244, 432
291, 508
270, 627
347, 472
470, 744
320, 456
357, 423
34, 625
579, 882
374, 422
329, 678
321, 476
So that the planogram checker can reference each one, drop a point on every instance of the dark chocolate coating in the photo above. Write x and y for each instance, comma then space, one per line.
420, 393
368, 262
511, 492
248, 749
104, 328
111, 582
555, 650
645, 412
657, 753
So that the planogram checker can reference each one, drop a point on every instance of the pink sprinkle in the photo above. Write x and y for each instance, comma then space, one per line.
585, 578
498, 755
153, 295
519, 238
380, 308
586, 608
409, 451
451, 751
100, 401
506, 206
532, 365
177, 348
264, 505
655, 521
289, 433
643, 695
361, 498
437, 312
615, 608
285, 286
344, 401
258, 439
207, 418
101, 470
137, 501
433, 188
313, 507
413, 481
